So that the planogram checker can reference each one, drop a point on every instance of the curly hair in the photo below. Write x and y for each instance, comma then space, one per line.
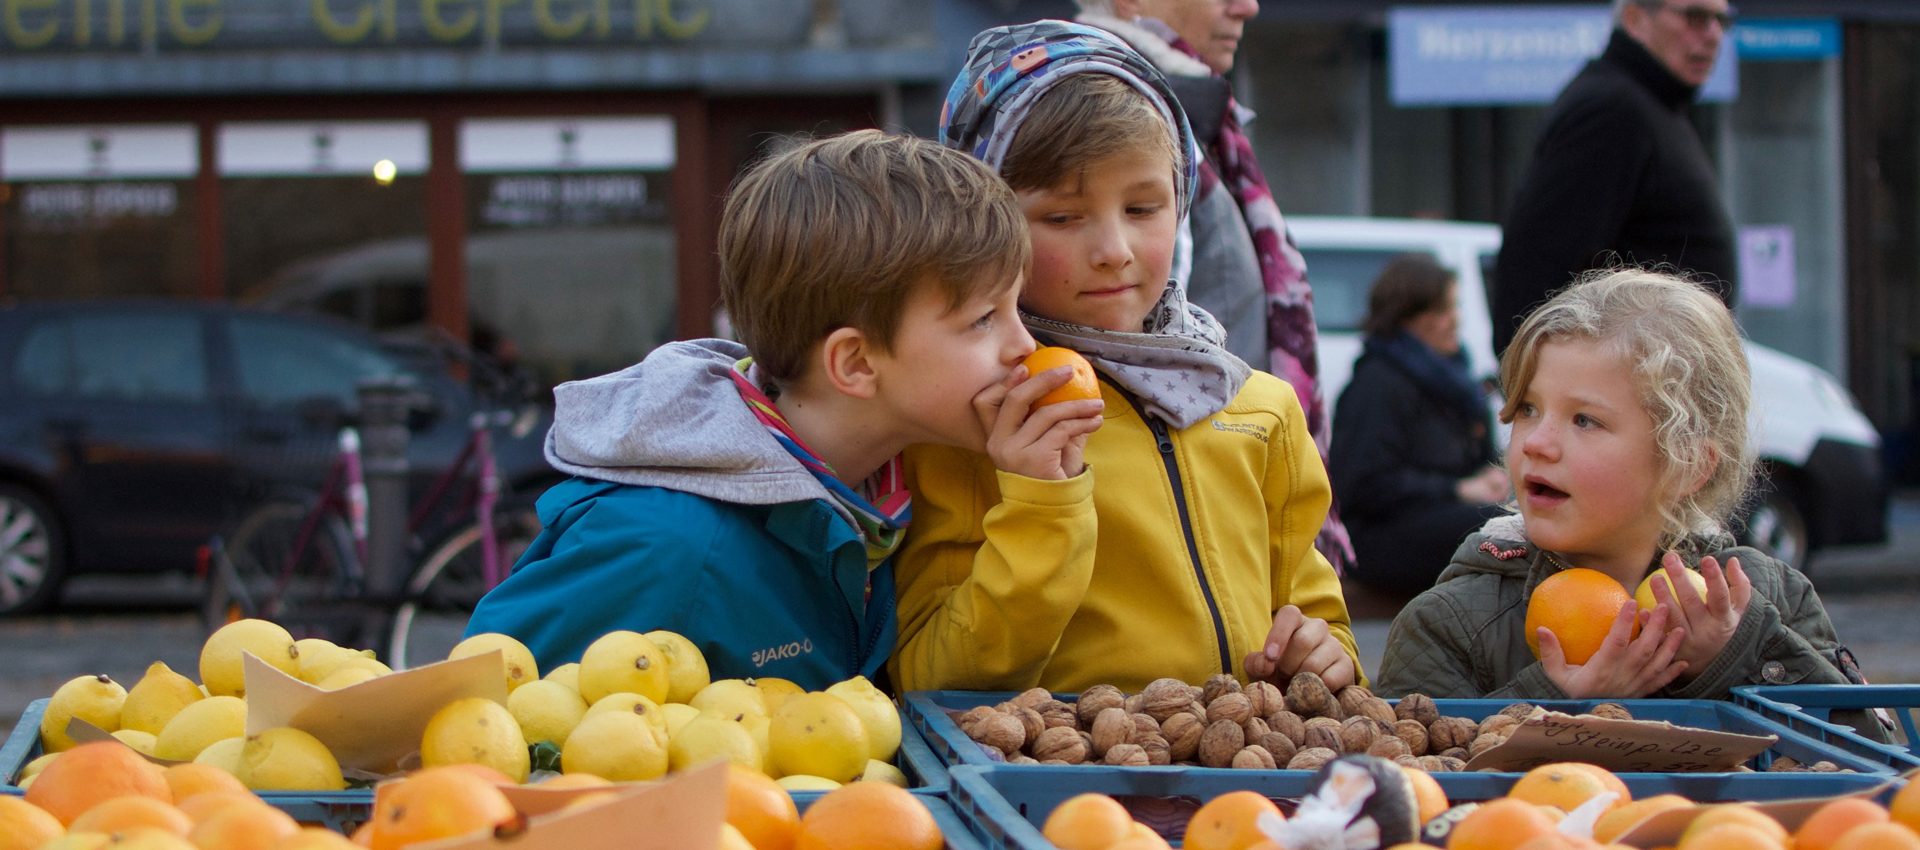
1691, 370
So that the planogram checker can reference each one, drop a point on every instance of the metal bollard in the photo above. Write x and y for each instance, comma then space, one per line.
384, 407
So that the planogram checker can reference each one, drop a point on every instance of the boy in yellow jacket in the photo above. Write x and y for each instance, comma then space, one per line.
1192, 553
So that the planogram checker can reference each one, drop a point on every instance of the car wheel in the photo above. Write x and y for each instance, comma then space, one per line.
1778, 527
32, 555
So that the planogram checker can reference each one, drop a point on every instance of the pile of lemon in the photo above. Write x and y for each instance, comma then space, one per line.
636, 707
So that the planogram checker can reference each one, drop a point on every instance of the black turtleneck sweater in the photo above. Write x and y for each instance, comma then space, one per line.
1618, 170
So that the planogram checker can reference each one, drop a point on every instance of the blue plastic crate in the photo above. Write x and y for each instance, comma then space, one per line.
1809, 709
1005, 805
928, 711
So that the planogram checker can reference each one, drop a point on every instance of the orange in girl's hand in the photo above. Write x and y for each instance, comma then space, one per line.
1579, 607
1081, 386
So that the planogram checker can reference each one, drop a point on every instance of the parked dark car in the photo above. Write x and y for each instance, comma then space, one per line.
132, 431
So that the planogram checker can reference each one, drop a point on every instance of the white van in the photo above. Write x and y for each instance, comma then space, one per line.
1820, 454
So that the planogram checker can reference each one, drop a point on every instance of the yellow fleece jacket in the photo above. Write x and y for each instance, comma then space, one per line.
1007, 583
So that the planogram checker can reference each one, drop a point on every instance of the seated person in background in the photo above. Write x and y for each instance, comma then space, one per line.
1412, 459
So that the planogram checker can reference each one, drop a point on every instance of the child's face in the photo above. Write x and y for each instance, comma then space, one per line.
1583, 457
1102, 243
941, 359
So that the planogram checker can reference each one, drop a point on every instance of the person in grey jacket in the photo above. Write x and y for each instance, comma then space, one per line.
1628, 395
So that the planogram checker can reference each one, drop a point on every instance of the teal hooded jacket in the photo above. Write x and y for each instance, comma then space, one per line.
684, 514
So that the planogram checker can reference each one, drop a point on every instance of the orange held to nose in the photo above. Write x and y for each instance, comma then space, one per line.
1579, 606
1081, 386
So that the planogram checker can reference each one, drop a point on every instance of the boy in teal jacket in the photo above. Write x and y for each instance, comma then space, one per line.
750, 497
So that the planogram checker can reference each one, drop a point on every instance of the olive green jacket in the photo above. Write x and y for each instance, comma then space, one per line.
1466, 637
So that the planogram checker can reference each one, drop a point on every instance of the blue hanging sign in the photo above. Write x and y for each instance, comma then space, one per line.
1787, 39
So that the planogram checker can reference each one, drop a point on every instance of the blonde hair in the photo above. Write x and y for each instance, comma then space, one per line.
840, 232
1691, 369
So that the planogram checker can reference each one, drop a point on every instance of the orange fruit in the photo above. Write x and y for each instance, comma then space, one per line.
1081, 385
436, 803
1148, 840
1616, 822
192, 778
1087, 822
243, 828
1878, 836
1557, 841
731, 839
145, 838
25, 826
1563, 785
201, 806
575, 780
363, 835
123, 813
314, 838
1730, 836
1579, 605
1606, 777
589, 800
93, 773
1825, 826
1427, 791
1905, 807
868, 816
1503, 824
491, 775
1738, 814
761, 809
1227, 822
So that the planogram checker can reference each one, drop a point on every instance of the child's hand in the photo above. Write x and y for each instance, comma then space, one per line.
1709, 622
1624, 667
1044, 442
1302, 644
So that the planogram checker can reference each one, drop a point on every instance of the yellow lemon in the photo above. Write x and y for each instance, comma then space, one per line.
141, 742
803, 782
346, 677
732, 699
880, 771
633, 704
707, 738
686, 667
223, 754
95, 699
287, 759
623, 662
475, 730
565, 674
156, 698
199, 725
617, 746
520, 666
221, 669
546, 711
1645, 598
37, 765
678, 715
776, 691
818, 735
319, 658
757, 727
877, 714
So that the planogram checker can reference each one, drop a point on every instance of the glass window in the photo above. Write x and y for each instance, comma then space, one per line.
44, 365
1342, 279
285, 363
139, 357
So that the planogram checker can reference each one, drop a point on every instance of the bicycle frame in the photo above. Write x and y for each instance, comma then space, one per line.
479, 447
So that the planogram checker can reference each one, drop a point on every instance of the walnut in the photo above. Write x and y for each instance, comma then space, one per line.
1133, 703
1217, 684
1143, 724
1006, 707
1164, 697
1002, 732
1453, 764
1112, 728
1157, 749
1031, 721
1183, 732
1351, 698
1056, 762
1198, 709
1519, 710
1431, 764
1289, 724
1234, 707
1020, 759
1219, 743
1418, 707
1127, 755
1322, 732
1058, 714
1450, 732
1498, 724
1256, 726
1485, 743
1458, 754
1378, 709
1264, 698
971, 717
1061, 743
1825, 767
1407, 761
1032, 698
1281, 746
1253, 757
1782, 764
1411, 733
1357, 734
1307, 695
1611, 711
1388, 747
1095, 700
1311, 758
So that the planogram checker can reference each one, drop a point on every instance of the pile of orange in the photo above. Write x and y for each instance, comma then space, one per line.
1579, 606
857, 816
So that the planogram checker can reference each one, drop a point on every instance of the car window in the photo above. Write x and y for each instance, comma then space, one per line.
283, 362
128, 356
1342, 278
44, 365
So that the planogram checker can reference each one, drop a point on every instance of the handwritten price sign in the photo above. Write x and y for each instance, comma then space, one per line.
1634, 746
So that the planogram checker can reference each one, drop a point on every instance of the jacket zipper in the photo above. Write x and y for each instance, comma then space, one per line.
1165, 443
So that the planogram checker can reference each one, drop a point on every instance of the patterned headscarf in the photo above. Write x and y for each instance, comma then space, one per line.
1178, 367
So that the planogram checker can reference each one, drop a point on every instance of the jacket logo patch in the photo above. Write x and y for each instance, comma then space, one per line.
1253, 431
1503, 554
762, 657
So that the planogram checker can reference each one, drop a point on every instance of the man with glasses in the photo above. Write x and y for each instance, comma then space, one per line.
1619, 173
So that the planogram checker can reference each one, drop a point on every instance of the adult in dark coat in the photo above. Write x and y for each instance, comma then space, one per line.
1619, 174
1412, 460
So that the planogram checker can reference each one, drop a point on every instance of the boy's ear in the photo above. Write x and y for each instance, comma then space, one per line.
847, 361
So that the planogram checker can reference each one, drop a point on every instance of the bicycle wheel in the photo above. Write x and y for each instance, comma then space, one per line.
256, 580
448, 584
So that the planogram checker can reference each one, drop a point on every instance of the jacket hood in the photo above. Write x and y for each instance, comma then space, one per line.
675, 420
1501, 548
